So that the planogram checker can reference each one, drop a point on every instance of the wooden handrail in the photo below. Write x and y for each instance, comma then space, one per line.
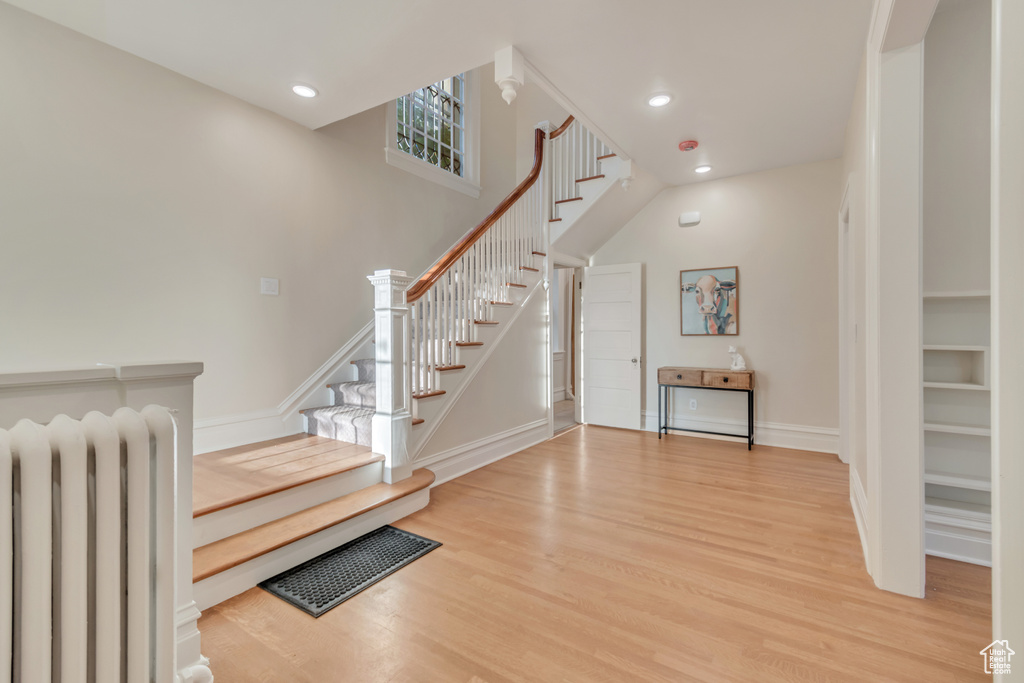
561, 129
421, 286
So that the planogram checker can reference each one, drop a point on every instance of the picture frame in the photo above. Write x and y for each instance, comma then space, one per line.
709, 302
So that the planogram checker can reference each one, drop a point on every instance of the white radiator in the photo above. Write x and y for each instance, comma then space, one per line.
87, 549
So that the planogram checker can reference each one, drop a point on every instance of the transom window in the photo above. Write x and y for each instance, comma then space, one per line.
431, 124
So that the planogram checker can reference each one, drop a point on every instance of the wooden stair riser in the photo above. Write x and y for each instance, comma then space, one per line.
238, 518
238, 579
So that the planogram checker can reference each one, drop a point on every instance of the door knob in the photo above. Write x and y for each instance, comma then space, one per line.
634, 361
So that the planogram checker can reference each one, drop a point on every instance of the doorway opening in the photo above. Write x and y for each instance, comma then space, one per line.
564, 336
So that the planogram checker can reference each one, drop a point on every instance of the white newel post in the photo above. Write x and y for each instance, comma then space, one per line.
392, 422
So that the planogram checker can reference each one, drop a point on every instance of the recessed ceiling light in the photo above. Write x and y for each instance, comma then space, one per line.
659, 100
702, 169
304, 90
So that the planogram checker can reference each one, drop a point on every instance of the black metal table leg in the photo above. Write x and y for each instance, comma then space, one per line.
750, 420
659, 411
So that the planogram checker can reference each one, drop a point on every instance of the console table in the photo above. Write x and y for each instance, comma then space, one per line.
705, 378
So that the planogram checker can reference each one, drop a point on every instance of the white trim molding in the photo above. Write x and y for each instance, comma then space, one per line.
469, 183
859, 503
797, 437
455, 462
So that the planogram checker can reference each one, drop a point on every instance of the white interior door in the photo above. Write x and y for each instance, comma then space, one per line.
611, 345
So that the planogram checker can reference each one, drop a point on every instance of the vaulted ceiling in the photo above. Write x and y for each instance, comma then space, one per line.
759, 83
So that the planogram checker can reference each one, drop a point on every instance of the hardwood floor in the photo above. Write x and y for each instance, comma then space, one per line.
608, 555
237, 475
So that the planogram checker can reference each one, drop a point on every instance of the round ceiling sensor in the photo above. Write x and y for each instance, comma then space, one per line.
687, 145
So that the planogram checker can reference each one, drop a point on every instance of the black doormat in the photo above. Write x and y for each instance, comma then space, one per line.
327, 581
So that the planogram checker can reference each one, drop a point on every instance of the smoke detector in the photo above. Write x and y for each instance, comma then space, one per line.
687, 145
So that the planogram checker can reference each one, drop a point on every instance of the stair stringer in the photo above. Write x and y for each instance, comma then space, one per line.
421, 435
606, 207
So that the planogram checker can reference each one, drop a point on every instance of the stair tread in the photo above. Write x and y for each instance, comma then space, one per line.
513, 284
355, 382
539, 253
533, 270
338, 410
428, 394
233, 476
571, 199
502, 303
232, 551
469, 343
417, 421
606, 156
485, 322
593, 177
444, 368
553, 220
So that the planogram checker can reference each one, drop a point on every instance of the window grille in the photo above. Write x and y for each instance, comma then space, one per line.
431, 124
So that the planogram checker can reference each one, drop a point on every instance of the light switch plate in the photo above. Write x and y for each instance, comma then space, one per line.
269, 286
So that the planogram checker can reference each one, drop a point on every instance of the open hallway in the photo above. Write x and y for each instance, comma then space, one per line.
608, 555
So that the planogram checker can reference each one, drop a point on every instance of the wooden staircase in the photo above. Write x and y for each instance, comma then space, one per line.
263, 508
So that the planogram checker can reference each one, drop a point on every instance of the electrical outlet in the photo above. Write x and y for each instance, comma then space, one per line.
693, 404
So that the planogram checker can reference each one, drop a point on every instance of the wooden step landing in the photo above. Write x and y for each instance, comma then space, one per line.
222, 479
232, 551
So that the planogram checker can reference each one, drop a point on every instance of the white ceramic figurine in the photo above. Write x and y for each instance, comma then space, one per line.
737, 360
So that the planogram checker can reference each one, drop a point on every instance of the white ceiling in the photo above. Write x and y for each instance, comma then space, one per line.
760, 83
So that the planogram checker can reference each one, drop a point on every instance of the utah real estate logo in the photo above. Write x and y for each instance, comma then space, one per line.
997, 657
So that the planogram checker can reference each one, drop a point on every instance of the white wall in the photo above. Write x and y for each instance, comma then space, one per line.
957, 91
779, 228
140, 208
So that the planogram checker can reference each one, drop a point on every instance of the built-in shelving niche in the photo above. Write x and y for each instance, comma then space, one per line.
957, 425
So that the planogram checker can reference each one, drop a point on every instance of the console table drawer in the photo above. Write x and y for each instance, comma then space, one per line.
726, 380
683, 377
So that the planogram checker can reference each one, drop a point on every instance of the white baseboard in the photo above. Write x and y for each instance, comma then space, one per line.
859, 503
237, 430
958, 534
798, 437
558, 395
230, 583
956, 546
455, 462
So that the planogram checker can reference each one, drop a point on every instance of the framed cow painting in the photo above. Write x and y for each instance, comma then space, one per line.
710, 301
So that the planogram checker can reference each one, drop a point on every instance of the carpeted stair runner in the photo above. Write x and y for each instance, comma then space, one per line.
350, 418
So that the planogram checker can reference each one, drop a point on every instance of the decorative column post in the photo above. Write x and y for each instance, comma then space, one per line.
392, 422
